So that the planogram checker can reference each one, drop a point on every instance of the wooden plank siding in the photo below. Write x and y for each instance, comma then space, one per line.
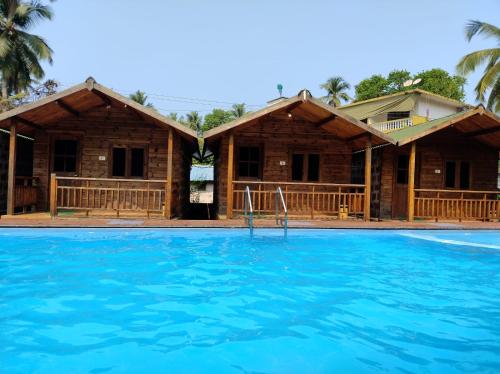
432, 152
278, 138
97, 132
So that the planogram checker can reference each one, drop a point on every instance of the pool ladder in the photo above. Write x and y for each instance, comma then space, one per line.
248, 209
280, 204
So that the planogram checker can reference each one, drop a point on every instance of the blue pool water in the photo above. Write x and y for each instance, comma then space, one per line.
198, 301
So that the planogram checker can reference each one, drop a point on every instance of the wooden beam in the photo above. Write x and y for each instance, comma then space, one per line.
230, 176
106, 100
11, 176
168, 186
368, 178
411, 182
67, 108
326, 120
490, 130
28, 123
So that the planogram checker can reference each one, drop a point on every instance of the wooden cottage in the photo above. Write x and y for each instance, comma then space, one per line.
447, 168
302, 146
94, 150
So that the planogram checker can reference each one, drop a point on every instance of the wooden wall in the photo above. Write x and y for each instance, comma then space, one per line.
432, 153
279, 138
97, 132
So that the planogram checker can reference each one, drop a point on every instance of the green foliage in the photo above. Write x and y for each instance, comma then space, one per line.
239, 110
336, 91
490, 81
194, 121
21, 53
442, 83
436, 80
141, 98
216, 118
369, 88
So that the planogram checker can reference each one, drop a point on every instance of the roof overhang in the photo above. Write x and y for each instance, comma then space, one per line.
315, 112
78, 100
478, 124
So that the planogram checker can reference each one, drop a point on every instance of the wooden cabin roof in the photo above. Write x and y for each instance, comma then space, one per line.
78, 100
476, 123
305, 107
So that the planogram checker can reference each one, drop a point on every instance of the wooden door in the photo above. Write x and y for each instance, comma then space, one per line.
400, 187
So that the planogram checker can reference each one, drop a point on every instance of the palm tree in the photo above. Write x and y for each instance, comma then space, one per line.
141, 98
336, 88
193, 120
238, 110
21, 53
490, 57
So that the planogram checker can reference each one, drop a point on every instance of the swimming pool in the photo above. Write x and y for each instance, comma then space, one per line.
216, 300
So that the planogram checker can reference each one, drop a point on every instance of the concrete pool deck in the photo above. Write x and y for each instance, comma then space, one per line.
44, 220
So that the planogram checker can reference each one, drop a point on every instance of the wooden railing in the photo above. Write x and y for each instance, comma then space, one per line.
393, 125
457, 204
311, 199
107, 194
25, 192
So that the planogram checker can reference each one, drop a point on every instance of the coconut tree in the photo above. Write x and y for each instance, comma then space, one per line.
141, 98
238, 110
490, 80
21, 53
336, 88
194, 120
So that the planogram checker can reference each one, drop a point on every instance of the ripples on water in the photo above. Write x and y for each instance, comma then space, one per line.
217, 301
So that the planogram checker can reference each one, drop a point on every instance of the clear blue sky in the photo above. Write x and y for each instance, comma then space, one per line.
237, 51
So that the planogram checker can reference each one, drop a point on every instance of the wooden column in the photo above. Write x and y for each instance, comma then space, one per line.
11, 176
368, 177
53, 195
167, 213
411, 182
230, 172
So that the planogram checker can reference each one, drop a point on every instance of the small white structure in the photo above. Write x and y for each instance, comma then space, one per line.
403, 109
201, 184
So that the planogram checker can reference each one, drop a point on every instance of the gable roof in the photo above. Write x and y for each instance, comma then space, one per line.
400, 101
476, 123
82, 98
316, 111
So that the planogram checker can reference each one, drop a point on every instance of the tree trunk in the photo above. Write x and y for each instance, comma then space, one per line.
5, 92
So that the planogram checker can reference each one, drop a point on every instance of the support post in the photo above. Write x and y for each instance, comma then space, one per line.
230, 171
11, 177
53, 195
411, 182
368, 177
168, 186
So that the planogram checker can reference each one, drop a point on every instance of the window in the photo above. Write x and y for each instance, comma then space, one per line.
402, 170
391, 116
358, 168
128, 162
65, 154
249, 162
457, 174
305, 167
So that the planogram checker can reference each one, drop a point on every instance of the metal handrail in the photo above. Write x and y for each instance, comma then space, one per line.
248, 208
280, 199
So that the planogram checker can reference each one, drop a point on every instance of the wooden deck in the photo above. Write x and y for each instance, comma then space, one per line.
44, 220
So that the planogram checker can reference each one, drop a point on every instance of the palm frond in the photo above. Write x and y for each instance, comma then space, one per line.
470, 62
494, 98
475, 27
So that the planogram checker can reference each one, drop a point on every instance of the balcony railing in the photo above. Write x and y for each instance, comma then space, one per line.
457, 205
302, 199
393, 125
107, 194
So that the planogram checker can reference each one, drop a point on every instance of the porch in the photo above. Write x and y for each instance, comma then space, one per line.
95, 151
